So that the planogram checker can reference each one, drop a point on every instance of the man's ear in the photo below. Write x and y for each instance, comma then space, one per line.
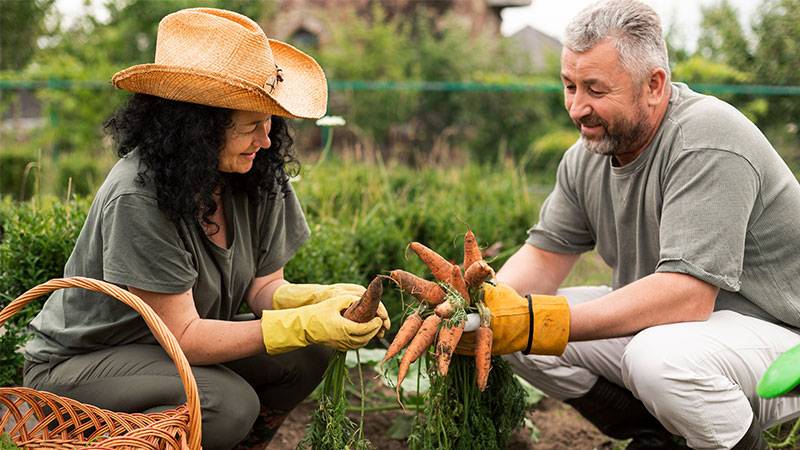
656, 86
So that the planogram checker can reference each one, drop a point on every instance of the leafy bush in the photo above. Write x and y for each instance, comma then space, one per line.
36, 242
85, 172
546, 151
15, 171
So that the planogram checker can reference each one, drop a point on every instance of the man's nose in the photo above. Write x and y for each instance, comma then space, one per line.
579, 107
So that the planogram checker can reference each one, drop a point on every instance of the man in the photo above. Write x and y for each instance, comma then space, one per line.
700, 220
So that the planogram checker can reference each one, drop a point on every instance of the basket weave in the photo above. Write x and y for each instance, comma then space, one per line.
38, 419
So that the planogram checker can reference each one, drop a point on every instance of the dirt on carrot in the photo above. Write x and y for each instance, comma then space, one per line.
472, 252
440, 267
366, 307
477, 273
427, 291
458, 283
404, 335
483, 355
424, 338
446, 345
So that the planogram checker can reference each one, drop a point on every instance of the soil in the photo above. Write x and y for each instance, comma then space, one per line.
557, 427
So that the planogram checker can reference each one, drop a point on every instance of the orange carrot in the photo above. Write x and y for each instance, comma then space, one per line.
440, 267
472, 252
366, 307
446, 345
483, 355
477, 273
425, 290
458, 283
418, 346
444, 309
406, 332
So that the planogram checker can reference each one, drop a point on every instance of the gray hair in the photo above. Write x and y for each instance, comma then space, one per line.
634, 29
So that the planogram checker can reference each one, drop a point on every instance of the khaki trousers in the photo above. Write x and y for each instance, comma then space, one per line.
697, 378
142, 378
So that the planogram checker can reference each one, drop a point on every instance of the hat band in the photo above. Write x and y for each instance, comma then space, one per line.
274, 79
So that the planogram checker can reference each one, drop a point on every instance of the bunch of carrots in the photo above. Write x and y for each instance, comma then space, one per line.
442, 312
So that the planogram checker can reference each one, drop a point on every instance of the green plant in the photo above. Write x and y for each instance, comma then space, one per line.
18, 172
6, 443
37, 240
458, 416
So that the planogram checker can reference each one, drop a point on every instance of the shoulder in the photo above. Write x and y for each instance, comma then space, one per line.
124, 180
706, 122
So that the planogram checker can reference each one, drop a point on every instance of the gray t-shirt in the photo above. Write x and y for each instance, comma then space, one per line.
128, 241
710, 197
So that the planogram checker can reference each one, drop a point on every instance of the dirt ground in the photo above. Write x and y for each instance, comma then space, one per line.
559, 427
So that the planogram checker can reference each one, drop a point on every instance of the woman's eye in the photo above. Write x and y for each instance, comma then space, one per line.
248, 130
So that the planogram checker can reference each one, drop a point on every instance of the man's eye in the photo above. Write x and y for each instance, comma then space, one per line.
570, 87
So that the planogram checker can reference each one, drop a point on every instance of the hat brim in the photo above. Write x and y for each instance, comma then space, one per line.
303, 93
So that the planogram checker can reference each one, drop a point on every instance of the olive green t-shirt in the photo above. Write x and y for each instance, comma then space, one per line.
128, 241
710, 197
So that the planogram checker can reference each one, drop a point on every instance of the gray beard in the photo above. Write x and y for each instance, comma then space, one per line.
626, 138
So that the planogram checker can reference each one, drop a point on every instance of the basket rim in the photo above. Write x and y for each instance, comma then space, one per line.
162, 334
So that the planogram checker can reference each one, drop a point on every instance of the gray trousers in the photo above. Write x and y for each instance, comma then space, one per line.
697, 378
142, 378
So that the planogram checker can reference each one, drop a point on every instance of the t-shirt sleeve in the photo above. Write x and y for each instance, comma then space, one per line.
708, 200
283, 231
563, 226
142, 247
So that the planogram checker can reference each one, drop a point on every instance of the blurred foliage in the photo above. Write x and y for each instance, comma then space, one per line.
407, 49
22, 22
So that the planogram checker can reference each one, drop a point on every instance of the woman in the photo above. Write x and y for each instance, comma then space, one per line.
198, 218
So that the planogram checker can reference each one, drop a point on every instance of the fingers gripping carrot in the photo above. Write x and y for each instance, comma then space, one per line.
404, 335
425, 290
418, 346
444, 310
440, 267
366, 307
472, 252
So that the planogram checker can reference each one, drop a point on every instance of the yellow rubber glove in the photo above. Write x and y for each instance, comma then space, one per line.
321, 323
512, 318
295, 295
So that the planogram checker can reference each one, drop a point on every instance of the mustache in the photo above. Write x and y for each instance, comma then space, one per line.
592, 120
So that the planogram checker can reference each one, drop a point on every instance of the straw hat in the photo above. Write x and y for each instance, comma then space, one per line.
220, 58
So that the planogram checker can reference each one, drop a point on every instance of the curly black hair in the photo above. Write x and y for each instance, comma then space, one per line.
179, 145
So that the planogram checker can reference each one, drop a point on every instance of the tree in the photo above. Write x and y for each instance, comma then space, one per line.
22, 22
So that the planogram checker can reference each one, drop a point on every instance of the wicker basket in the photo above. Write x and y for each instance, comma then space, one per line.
37, 419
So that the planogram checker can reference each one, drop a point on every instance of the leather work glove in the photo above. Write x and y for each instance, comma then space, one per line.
512, 319
321, 323
296, 295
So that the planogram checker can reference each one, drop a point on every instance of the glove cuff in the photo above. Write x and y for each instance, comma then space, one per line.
550, 316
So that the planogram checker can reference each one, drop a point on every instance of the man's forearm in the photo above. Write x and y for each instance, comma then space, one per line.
534, 271
656, 299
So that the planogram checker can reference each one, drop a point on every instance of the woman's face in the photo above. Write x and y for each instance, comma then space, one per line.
248, 134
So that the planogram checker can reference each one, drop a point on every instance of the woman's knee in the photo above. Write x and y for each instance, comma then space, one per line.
229, 405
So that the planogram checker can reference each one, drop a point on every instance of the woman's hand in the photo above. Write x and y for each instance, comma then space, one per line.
321, 323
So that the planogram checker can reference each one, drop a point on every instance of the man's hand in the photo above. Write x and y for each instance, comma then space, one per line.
538, 324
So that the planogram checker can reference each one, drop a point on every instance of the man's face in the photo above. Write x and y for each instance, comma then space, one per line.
603, 101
